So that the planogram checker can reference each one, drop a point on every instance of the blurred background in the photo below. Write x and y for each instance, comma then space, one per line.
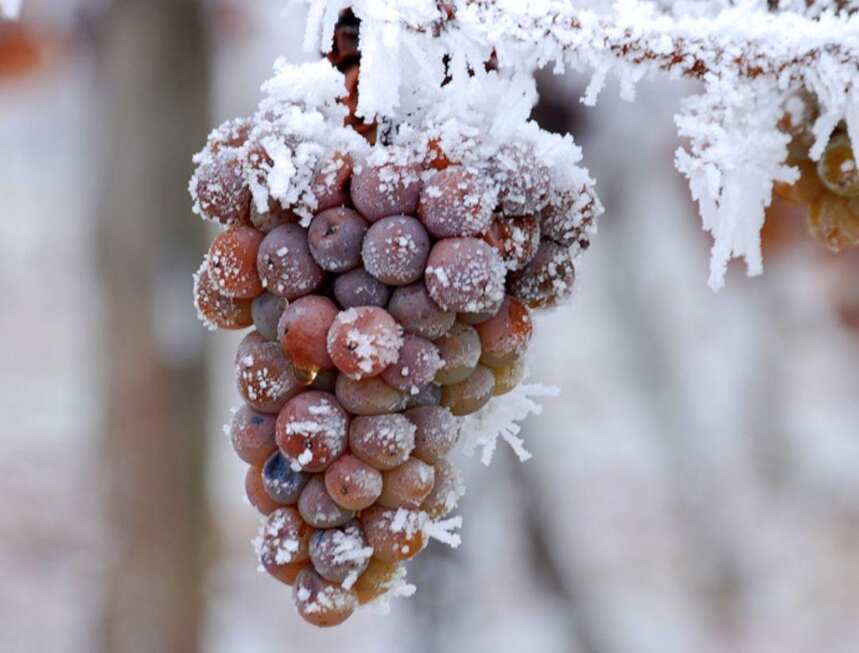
694, 488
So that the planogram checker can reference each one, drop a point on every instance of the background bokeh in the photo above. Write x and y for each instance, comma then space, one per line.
694, 488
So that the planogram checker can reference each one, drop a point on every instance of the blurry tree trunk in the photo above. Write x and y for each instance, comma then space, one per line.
153, 65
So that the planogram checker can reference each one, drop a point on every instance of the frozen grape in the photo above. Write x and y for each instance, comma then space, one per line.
312, 430
255, 491
504, 338
559, 219
285, 265
471, 395
266, 311
508, 377
252, 435
834, 221
523, 182
382, 441
460, 353
516, 239
368, 396
389, 189
837, 167
321, 602
474, 319
363, 341
219, 189
408, 485
465, 275
288, 573
395, 250
352, 483
232, 262
303, 332
394, 533
359, 288
376, 580
340, 554
216, 311
447, 490
416, 366
329, 181
418, 314
230, 134
456, 202
266, 379
318, 509
281, 482
335, 237
547, 280
283, 538
436, 431
429, 395
273, 217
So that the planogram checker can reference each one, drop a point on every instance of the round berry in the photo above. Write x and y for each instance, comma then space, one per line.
436, 431
283, 538
285, 265
219, 189
256, 494
504, 338
470, 395
312, 430
368, 396
465, 275
318, 508
418, 314
335, 237
460, 353
266, 311
834, 221
252, 435
547, 280
281, 482
359, 288
395, 250
376, 580
408, 485
274, 216
328, 185
340, 554
266, 379
429, 395
456, 202
837, 167
416, 366
508, 377
388, 189
394, 533
352, 483
447, 490
215, 310
321, 602
363, 341
303, 332
516, 239
382, 441
232, 262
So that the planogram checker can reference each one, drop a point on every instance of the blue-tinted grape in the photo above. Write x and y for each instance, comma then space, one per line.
395, 250
252, 435
460, 352
389, 189
465, 275
418, 362
335, 237
359, 288
436, 431
285, 265
456, 202
429, 395
281, 482
266, 311
418, 314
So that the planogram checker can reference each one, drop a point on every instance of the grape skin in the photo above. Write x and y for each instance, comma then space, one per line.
252, 435
471, 395
335, 238
286, 267
408, 485
368, 396
282, 483
417, 365
429, 395
312, 430
216, 311
418, 314
321, 602
376, 580
255, 492
273, 217
448, 489
219, 188
265, 377
329, 181
339, 554
303, 332
548, 279
456, 202
460, 353
382, 441
266, 311
352, 483
395, 534
359, 288
436, 431
508, 377
504, 338
395, 250
318, 509
516, 239
363, 341
284, 538
232, 262
465, 275
380, 191
837, 167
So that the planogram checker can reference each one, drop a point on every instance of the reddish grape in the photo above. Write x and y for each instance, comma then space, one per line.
376, 580
255, 491
559, 218
460, 353
232, 262
340, 554
516, 239
465, 275
219, 189
321, 602
215, 310
429, 395
274, 216
436, 431
281, 482
368, 396
335, 238
266, 311
283, 538
382, 441
523, 182
389, 189
395, 250
547, 279
470, 395
363, 341
416, 366
416, 311
359, 288
318, 508
288, 573
474, 319
837, 167
312, 430
303, 332
408, 485
447, 490
252, 435
456, 202
394, 533
266, 379
329, 181
508, 377
504, 338
352, 483
285, 265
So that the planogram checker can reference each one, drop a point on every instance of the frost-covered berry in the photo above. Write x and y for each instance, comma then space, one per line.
523, 182
288, 573
395, 250
328, 185
281, 482
382, 441
504, 337
368, 396
317, 507
266, 379
559, 219
376, 580
215, 310
340, 554
363, 341
321, 602
394, 533
388, 189
352, 483
407, 485
837, 167
508, 377
429, 395
335, 237
418, 313
219, 189
266, 311
547, 280
303, 332
416, 366
230, 134
460, 352
274, 216
456, 202
436, 431
312, 430
285, 265
233, 262
448, 489
283, 538
252, 435
465, 275
471, 395
515, 238
256, 494
359, 288
834, 221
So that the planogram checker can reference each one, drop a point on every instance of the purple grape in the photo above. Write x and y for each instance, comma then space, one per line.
219, 189
389, 189
437, 430
318, 509
359, 288
429, 395
266, 311
266, 378
418, 314
369, 396
456, 202
341, 553
465, 275
335, 238
285, 264
548, 279
460, 352
416, 366
282, 483
395, 250
382, 441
